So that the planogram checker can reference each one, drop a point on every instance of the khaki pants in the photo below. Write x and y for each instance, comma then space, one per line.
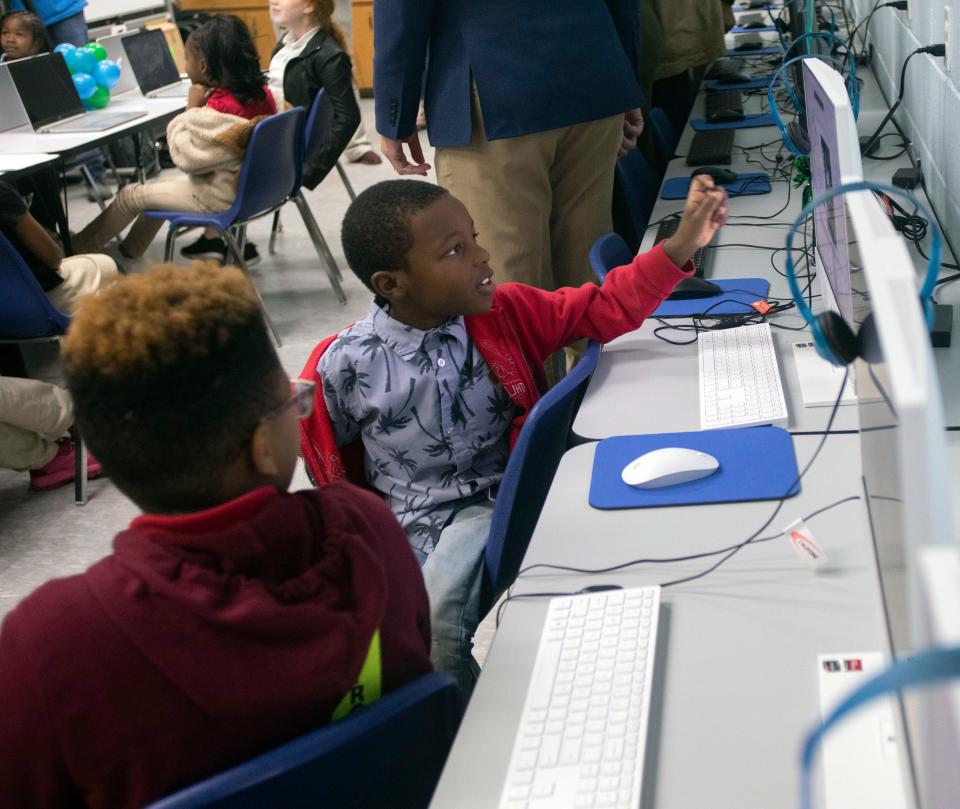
174, 194
538, 201
33, 415
82, 275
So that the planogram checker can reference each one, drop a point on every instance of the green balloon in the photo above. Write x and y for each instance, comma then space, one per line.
98, 51
99, 99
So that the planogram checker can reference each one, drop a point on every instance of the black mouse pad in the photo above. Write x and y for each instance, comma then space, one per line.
756, 463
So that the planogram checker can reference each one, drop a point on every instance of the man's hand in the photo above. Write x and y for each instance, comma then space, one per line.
704, 213
393, 151
632, 127
197, 95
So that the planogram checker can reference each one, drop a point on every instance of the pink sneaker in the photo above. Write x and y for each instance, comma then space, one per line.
61, 469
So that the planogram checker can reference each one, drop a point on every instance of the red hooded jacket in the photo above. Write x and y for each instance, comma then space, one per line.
524, 326
201, 641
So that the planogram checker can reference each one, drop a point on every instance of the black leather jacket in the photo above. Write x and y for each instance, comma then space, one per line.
323, 65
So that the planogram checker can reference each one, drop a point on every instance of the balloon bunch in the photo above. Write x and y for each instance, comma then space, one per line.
93, 74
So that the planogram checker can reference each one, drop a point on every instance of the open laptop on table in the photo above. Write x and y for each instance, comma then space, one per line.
51, 101
148, 56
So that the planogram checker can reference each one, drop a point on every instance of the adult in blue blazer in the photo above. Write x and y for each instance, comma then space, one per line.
527, 102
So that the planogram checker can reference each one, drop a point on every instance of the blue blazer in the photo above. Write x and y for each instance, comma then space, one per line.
537, 64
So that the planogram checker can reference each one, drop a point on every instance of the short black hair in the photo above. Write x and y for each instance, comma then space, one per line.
170, 372
36, 26
376, 229
233, 63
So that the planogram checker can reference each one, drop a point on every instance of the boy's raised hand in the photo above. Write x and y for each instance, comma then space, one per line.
704, 213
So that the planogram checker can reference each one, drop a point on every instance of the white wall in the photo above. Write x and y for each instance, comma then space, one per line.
930, 113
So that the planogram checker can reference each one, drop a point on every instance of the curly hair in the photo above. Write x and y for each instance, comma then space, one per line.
225, 43
376, 228
170, 372
37, 29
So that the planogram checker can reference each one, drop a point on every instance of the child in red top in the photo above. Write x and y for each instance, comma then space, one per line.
207, 141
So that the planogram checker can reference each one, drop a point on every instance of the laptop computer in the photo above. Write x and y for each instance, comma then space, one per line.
148, 55
51, 101
113, 44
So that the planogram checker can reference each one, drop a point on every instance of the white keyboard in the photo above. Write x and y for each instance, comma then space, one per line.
584, 724
740, 383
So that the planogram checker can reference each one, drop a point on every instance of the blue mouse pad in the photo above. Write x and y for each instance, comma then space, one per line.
756, 463
756, 52
761, 81
755, 119
746, 184
739, 29
754, 8
738, 294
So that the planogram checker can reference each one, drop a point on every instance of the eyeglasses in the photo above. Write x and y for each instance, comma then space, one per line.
301, 398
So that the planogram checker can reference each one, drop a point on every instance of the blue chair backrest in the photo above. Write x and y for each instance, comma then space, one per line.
664, 136
607, 252
271, 165
390, 753
319, 121
636, 187
25, 311
527, 478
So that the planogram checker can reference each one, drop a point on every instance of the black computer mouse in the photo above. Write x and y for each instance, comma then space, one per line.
723, 116
732, 78
694, 288
749, 46
720, 175
755, 24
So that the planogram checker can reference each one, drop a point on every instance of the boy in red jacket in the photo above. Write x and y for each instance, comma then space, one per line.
436, 381
231, 616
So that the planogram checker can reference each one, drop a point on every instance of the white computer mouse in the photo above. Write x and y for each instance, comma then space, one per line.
667, 467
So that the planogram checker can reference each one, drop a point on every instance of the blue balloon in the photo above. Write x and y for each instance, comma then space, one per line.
80, 61
85, 85
63, 47
107, 73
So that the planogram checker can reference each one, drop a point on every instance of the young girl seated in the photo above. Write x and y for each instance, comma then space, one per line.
207, 141
311, 56
21, 35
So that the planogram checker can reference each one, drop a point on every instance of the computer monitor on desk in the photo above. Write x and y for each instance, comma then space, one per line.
903, 453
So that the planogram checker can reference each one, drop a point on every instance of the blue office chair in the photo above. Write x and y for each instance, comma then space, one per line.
664, 136
607, 252
390, 753
27, 316
636, 186
265, 184
316, 131
527, 478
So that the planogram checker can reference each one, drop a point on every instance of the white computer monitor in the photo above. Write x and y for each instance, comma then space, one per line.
903, 446
834, 160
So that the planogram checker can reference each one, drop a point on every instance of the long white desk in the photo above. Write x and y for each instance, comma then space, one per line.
736, 682
13, 165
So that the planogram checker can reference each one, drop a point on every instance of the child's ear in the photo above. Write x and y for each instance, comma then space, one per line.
262, 458
389, 284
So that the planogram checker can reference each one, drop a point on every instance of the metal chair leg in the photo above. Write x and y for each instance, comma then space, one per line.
91, 183
320, 244
346, 181
79, 470
277, 228
172, 233
233, 246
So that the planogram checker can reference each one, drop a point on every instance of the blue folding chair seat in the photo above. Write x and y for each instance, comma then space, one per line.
527, 478
27, 316
607, 252
388, 754
636, 186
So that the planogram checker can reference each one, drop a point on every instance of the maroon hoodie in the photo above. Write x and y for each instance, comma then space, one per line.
201, 641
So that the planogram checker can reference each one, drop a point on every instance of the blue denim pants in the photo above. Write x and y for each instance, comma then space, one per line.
452, 575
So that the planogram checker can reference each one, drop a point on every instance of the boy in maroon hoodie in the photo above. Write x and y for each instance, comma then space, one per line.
435, 383
231, 616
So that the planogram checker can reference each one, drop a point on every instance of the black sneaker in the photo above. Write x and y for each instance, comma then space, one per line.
250, 254
213, 248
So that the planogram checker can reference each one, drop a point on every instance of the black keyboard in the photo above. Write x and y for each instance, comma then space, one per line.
724, 105
702, 259
711, 148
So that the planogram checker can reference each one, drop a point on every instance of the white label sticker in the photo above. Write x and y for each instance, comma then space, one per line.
804, 545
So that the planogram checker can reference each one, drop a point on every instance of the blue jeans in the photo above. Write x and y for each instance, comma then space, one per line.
452, 575
73, 30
